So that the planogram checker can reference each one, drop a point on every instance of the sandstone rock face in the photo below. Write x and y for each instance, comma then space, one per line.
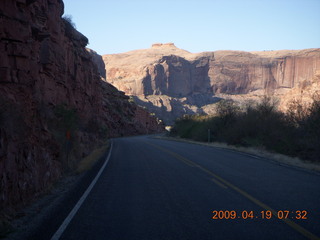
97, 59
171, 81
54, 107
241, 73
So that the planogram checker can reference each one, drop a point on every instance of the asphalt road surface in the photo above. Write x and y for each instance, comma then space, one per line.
159, 189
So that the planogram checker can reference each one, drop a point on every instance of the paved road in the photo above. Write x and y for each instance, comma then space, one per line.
158, 189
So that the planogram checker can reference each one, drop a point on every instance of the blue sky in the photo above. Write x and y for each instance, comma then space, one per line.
115, 26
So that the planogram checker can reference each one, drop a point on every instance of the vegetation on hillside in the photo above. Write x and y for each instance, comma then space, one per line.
294, 133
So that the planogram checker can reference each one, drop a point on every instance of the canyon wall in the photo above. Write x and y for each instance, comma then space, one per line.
171, 82
54, 106
97, 59
242, 73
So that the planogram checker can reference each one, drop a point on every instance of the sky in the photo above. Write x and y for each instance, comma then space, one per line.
116, 26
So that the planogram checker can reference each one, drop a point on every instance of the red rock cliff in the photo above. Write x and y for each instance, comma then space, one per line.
172, 82
165, 69
241, 72
54, 107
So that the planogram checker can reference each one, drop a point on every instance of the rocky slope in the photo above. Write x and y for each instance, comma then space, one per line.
172, 82
54, 107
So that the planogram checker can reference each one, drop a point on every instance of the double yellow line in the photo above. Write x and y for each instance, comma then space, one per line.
224, 184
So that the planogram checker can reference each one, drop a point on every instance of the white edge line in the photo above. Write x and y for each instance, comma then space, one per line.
75, 209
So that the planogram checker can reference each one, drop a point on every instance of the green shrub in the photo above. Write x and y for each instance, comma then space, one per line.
68, 20
296, 133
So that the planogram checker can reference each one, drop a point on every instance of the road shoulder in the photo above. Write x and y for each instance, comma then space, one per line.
254, 152
43, 217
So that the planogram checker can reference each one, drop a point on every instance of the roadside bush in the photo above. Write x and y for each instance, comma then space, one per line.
227, 110
295, 133
313, 127
307, 124
192, 127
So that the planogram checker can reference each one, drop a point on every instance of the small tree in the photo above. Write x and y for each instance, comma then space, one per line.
227, 110
267, 105
68, 20
297, 113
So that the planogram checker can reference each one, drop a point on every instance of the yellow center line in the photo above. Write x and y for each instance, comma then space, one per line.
223, 183
219, 183
177, 156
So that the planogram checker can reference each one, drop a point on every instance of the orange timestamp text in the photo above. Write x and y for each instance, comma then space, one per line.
267, 214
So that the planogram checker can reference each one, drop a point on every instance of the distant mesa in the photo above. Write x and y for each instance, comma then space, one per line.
163, 45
